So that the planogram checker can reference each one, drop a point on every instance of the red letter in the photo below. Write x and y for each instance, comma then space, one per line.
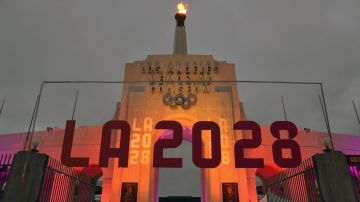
280, 144
197, 148
66, 158
240, 145
123, 152
159, 160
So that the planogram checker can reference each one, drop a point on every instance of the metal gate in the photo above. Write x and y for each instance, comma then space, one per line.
5, 166
294, 185
354, 166
355, 175
65, 184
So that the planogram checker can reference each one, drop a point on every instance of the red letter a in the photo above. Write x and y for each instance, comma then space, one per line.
123, 152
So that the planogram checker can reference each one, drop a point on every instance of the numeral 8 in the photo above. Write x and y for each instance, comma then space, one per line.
280, 144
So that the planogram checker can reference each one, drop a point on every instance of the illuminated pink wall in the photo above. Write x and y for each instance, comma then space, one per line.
87, 144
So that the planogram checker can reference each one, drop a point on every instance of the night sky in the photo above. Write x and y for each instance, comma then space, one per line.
286, 40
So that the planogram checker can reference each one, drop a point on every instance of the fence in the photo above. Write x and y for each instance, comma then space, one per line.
355, 175
294, 185
354, 166
5, 166
64, 184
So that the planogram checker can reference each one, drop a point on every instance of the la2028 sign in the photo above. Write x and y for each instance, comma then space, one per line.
159, 160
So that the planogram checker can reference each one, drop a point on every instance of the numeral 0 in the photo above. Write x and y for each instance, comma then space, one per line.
197, 145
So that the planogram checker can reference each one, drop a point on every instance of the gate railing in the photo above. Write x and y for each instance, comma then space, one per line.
354, 166
294, 184
355, 175
65, 184
5, 166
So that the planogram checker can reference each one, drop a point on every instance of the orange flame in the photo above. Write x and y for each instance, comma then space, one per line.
182, 8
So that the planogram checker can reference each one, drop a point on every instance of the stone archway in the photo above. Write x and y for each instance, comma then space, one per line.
145, 177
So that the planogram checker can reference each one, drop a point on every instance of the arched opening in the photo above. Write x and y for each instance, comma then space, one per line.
95, 174
98, 189
186, 181
260, 189
262, 175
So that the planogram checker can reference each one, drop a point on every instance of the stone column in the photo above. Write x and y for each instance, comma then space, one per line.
334, 178
26, 177
180, 46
